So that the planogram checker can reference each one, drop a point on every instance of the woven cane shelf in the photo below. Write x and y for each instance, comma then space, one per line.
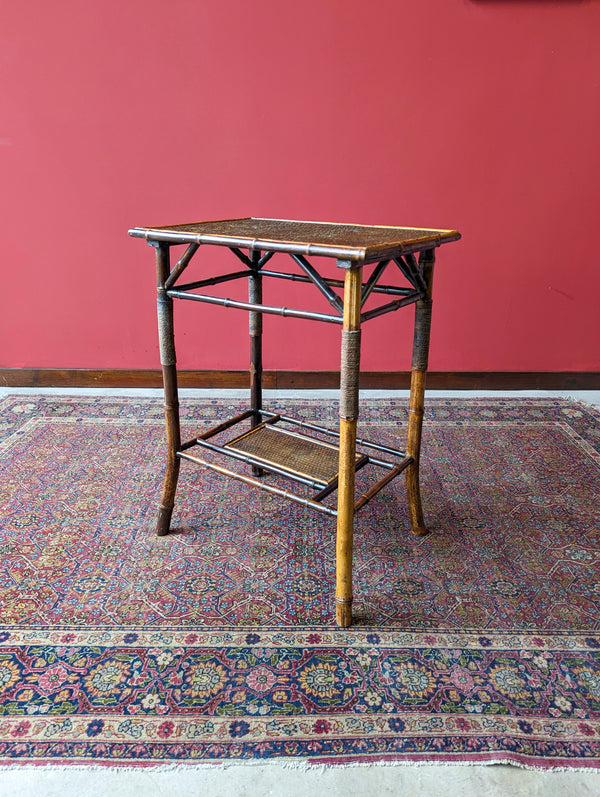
302, 458
301, 455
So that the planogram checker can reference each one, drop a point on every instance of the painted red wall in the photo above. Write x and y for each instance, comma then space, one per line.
477, 114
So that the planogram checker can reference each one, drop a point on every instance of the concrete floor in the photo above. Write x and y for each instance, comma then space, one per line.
272, 780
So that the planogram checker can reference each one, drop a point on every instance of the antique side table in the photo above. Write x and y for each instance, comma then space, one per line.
318, 460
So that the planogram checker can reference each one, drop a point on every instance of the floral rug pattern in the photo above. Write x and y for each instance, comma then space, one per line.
479, 642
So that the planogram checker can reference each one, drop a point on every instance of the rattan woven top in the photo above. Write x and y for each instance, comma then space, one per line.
350, 242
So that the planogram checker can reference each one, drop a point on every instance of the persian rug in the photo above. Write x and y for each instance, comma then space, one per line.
479, 643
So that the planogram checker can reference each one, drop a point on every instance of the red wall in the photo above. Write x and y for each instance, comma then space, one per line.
477, 114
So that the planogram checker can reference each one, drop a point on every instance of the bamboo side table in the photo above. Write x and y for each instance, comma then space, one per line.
315, 458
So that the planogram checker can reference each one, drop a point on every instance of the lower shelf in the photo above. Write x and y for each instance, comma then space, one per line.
303, 458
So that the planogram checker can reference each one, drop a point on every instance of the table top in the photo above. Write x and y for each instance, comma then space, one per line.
351, 242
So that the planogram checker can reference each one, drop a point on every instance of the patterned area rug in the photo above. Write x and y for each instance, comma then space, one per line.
478, 643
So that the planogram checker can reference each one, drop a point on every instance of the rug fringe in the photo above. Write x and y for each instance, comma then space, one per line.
297, 765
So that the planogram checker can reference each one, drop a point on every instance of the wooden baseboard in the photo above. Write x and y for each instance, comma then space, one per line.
300, 380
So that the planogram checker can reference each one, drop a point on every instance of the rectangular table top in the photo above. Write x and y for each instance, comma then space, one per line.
351, 242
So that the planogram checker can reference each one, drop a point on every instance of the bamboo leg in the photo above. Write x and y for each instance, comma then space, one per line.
350, 368
166, 340
256, 329
417, 395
